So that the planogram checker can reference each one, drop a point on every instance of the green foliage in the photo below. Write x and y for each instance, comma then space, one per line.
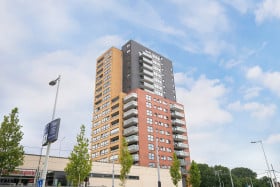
241, 177
11, 152
126, 162
79, 165
243, 172
195, 177
175, 170
207, 174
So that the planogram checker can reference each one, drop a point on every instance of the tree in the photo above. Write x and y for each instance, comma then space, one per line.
126, 162
208, 177
11, 152
195, 178
79, 165
175, 170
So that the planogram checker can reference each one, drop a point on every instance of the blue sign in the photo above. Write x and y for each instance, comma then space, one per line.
51, 132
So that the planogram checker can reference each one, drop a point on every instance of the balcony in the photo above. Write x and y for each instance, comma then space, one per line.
180, 138
132, 139
130, 131
135, 157
177, 107
178, 122
130, 97
181, 146
183, 162
181, 153
148, 73
130, 105
147, 67
129, 122
133, 148
147, 86
146, 79
179, 130
177, 115
146, 54
130, 113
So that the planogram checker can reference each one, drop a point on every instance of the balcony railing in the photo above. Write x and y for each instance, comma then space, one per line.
177, 115
145, 72
178, 122
183, 162
130, 121
181, 146
133, 148
130, 113
181, 153
129, 105
131, 139
176, 107
130, 131
147, 79
130, 97
179, 130
180, 137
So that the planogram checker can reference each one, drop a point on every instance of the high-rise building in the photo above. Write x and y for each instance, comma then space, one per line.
135, 98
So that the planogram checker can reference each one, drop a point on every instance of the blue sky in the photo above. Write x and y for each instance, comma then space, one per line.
225, 57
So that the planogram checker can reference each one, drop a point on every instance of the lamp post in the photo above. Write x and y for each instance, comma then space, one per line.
44, 173
158, 166
269, 173
232, 185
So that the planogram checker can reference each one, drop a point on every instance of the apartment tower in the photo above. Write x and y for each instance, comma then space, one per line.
135, 98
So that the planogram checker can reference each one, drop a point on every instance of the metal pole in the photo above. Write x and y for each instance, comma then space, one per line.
231, 178
113, 173
267, 164
251, 182
276, 182
220, 185
159, 182
44, 173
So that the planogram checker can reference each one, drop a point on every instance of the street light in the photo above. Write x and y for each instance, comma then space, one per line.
269, 173
44, 173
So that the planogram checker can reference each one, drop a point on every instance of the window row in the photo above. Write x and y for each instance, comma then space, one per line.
99, 145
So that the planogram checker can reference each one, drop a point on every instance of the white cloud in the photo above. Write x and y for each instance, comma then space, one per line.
268, 9
203, 102
205, 23
12, 29
242, 56
201, 12
273, 139
253, 92
258, 110
241, 5
270, 80
25, 85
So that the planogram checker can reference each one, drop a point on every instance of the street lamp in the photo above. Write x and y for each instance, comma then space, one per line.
269, 173
44, 173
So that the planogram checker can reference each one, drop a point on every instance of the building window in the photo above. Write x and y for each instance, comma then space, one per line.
149, 113
148, 105
149, 121
151, 156
152, 165
148, 97
150, 129
150, 138
151, 147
